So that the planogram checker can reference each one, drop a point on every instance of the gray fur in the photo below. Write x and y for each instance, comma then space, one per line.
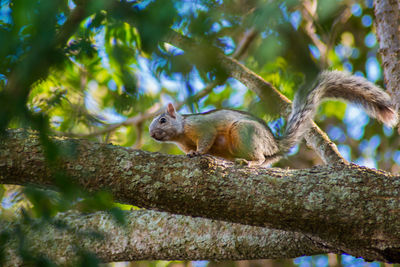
335, 84
166, 131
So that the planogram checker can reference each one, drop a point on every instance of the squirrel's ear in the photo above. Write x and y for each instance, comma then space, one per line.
171, 110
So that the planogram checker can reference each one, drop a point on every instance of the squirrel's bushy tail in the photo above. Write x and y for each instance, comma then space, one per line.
336, 84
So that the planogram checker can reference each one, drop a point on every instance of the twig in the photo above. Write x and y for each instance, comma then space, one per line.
245, 42
309, 12
336, 25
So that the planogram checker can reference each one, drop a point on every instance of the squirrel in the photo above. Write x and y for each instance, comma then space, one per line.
238, 135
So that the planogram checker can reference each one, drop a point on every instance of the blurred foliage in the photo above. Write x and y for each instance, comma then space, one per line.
79, 67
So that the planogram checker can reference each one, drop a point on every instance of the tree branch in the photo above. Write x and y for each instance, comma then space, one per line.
353, 208
151, 235
309, 13
274, 101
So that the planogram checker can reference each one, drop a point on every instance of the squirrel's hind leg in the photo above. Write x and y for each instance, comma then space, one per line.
247, 141
269, 160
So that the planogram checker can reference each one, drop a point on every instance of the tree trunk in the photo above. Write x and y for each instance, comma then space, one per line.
387, 13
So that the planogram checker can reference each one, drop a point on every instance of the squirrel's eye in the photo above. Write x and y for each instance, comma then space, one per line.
163, 120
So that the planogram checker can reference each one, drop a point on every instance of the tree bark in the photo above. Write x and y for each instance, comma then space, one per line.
347, 207
151, 235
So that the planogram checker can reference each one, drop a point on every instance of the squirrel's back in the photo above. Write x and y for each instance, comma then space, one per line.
224, 114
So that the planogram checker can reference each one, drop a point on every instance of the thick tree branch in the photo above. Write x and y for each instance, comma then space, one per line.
275, 102
151, 235
352, 208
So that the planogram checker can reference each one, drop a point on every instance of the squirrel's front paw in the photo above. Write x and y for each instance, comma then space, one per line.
193, 153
